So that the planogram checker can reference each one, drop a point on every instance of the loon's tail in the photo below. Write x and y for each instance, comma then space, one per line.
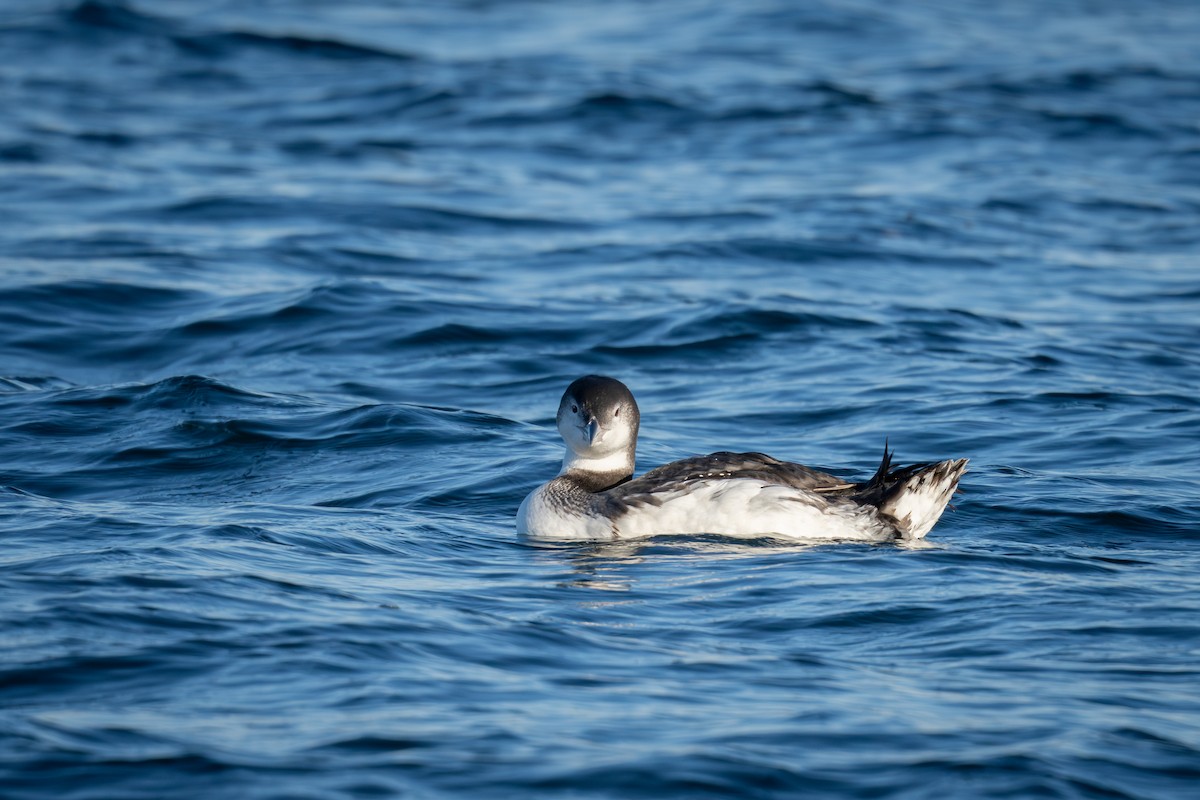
913, 497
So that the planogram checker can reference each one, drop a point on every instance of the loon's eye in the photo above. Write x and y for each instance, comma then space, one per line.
574, 409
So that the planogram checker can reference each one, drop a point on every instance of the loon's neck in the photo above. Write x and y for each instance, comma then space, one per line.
621, 461
593, 482
597, 474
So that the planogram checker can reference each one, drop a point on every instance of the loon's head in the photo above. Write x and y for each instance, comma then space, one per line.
598, 419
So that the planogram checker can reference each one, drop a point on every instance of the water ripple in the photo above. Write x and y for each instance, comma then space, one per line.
290, 295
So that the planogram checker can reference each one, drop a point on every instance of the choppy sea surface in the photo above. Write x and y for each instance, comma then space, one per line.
289, 292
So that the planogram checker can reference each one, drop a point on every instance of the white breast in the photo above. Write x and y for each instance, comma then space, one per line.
540, 518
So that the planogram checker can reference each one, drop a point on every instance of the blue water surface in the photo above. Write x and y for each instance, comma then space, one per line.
289, 292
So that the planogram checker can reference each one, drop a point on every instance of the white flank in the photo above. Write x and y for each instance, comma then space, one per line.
737, 507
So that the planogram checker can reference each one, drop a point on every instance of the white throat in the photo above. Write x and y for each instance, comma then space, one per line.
620, 461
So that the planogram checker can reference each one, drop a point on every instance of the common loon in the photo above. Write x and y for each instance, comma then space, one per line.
596, 497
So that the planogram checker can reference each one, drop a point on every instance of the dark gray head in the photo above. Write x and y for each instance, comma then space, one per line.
598, 419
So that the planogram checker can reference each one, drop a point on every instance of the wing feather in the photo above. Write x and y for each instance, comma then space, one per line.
757, 466
673, 479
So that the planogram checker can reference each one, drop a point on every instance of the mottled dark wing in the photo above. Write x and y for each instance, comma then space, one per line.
755, 466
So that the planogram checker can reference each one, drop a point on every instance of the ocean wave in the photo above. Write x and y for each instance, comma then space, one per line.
196, 436
108, 15
251, 210
291, 293
611, 105
48, 302
31, 383
23, 152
